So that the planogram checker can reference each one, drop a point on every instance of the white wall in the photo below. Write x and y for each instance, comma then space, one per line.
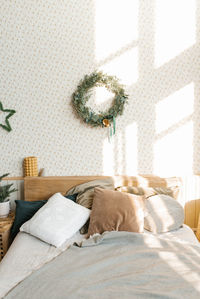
152, 46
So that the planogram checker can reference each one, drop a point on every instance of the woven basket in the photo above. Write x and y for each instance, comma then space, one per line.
5, 227
30, 166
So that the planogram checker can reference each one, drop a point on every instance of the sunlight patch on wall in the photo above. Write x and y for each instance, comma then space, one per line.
174, 28
115, 25
125, 67
120, 155
131, 149
108, 158
174, 108
173, 154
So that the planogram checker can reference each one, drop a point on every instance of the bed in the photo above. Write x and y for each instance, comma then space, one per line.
108, 265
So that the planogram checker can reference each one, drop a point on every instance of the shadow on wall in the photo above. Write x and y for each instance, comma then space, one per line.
153, 46
161, 133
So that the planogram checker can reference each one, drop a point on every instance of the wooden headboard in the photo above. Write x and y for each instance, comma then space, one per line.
40, 188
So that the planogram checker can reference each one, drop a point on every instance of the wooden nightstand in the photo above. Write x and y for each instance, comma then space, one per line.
5, 227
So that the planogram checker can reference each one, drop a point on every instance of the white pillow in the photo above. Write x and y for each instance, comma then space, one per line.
58, 220
163, 214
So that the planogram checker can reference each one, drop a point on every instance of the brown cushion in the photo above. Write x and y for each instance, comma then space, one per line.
150, 191
116, 211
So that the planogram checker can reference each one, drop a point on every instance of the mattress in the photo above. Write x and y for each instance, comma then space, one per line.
28, 253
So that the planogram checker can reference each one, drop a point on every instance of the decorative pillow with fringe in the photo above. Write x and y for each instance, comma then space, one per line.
150, 191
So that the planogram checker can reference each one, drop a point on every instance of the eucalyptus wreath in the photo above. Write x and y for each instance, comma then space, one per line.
82, 95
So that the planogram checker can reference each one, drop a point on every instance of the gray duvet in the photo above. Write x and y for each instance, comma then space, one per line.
118, 265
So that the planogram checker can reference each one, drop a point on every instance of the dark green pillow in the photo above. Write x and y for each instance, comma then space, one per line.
72, 197
25, 211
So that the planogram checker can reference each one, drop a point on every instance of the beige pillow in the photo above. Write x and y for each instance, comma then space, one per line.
163, 214
150, 191
86, 191
116, 211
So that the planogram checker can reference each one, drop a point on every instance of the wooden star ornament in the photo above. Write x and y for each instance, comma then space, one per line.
9, 112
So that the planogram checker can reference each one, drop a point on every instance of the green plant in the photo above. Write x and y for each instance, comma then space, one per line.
5, 190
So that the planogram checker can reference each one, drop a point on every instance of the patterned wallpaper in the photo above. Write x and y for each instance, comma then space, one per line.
46, 49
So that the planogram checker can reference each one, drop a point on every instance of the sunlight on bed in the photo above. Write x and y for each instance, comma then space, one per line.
155, 244
174, 260
175, 263
175, 28
157, 219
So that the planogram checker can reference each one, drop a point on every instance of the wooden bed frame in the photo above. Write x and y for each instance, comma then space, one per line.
41, 188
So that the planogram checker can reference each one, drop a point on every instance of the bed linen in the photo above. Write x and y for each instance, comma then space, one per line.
183, 235
116, 265
25, 255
